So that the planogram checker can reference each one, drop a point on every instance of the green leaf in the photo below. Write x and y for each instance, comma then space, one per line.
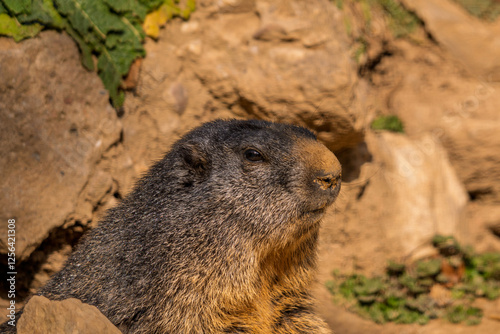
401, 21
86, 51
11, 27
18, 6
131, 6
395, 268
376, 313
428, 268
151, 4
459, 313
84, 16
485, 9
117, 39
111, 77
390, 123
43, 12
191, 5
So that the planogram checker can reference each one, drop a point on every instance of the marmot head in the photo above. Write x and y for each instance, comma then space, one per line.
269, 181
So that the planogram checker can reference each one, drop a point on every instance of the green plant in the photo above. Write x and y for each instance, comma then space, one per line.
428, 268
401, 21
446, 245
389, 123
107, 29
485, 9
470, 315
360, 50
403, 295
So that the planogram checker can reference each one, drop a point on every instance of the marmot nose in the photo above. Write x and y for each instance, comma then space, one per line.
328, 180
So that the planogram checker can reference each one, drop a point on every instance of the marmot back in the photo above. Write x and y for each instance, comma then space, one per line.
219, 237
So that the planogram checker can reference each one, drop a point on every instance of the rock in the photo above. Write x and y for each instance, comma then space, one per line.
55, 261
424, 195
405, 195
280, 60
462, 111
311, 74
495, 228
441, 295
482, 222
425, 252
69, 316
235, 6
469, 40
472, 145
408, 193
56, 122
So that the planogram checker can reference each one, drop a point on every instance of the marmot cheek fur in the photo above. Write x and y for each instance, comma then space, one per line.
219, 237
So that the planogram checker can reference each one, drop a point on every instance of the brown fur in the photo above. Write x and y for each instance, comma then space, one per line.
213, 240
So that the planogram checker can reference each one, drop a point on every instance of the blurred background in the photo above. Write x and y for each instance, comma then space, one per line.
406, 93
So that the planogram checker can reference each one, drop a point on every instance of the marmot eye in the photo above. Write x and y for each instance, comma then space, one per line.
253, 155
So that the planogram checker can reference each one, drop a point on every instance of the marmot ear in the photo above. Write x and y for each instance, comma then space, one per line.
195, 160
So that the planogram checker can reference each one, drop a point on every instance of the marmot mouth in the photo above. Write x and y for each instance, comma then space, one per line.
316, 213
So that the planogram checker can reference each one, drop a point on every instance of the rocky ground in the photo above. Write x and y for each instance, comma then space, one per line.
333, 66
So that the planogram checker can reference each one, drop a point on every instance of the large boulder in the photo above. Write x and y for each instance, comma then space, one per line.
278, 60
406, 195
423, 197
435, 96
56, 124
475, 43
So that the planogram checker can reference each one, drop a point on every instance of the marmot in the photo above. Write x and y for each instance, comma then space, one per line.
219, 236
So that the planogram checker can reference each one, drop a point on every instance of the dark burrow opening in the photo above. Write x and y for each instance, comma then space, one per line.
26, 270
